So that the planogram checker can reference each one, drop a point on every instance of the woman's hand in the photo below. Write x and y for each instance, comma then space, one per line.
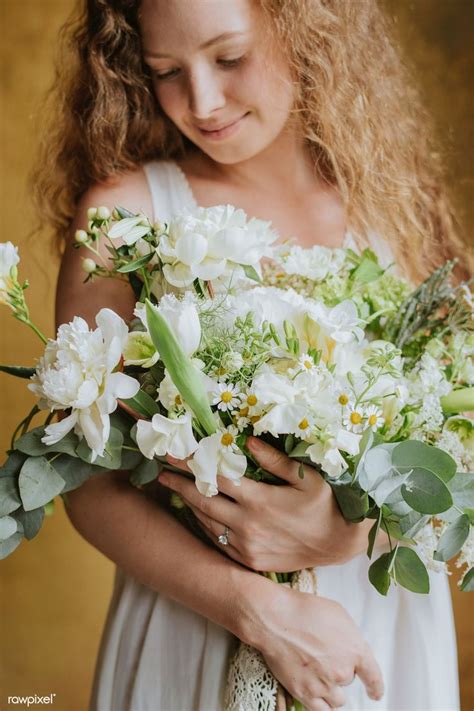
312, 647
274, 528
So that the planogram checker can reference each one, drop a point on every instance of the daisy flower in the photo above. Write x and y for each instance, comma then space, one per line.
227, 397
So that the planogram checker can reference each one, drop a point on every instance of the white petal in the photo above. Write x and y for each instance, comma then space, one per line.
232, 465
119, 229
146, 439
204, 465
191, 248
53, 433
95, 427
178, 275
209, 269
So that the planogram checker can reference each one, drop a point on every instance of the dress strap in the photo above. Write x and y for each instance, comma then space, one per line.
169, 189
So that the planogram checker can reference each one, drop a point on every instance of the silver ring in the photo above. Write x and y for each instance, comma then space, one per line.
223, 539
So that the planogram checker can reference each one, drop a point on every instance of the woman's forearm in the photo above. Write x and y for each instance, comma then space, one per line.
150, 545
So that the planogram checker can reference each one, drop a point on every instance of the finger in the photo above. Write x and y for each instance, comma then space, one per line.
217, 507
229, 549
335, 697
278, 463
178, 463
369, 672
319, 705
215, 528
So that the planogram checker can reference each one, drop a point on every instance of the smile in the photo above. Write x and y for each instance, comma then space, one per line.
225, 131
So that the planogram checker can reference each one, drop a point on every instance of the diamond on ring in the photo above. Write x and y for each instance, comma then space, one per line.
223, 539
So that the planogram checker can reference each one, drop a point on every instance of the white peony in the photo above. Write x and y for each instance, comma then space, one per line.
211, 243
76, 372
164, 436
9, 258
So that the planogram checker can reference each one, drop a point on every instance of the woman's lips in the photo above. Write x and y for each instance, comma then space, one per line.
224, 132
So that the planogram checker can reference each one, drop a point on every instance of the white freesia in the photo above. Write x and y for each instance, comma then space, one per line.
210, 243
182, 317
164, 436
9, 258
217, 454
76, 371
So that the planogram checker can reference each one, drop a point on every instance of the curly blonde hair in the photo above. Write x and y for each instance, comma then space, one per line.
360, 113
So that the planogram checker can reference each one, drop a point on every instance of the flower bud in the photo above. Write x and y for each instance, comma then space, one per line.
89, 265
91, 213
81, 236
103, 213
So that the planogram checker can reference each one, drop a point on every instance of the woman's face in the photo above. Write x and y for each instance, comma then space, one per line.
217, 75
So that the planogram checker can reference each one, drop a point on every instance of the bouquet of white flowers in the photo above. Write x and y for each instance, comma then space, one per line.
321, 352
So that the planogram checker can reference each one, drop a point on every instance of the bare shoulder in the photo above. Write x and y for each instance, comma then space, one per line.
128, 190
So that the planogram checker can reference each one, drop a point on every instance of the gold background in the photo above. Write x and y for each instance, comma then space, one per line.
56, 588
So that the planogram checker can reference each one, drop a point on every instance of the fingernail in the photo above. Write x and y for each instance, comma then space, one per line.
253, 443
163, 479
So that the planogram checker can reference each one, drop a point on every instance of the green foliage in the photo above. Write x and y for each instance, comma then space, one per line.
453, 538
38, 482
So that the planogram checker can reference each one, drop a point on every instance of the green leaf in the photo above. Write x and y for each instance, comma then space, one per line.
131, 460
410, 572
30, 443
74, 471
379, 575
13, 464
467, 584
299, 450
123, 212
18, 371
289, 443
413, 454
8, 526
143, 404
30, 520
453, 538
461, 400
8, 546
183, 372
372, 536
39, 482
425, 493
368, 269
353, 502
112, 458
461, 487
250, 272
9, 498
136, 264
301, 470
412, 522
147, 471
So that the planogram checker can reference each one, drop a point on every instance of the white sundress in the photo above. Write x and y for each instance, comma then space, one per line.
156, 655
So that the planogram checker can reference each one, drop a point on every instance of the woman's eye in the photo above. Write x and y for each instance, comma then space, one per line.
230, 62
170, 74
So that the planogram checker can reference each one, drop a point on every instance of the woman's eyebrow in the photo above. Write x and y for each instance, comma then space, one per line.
205, 45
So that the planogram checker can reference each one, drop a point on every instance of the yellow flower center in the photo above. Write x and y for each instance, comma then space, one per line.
343, 399
252, 400
304, 424
244, 411
254, 419
227, 439
356, 418
177, 400
226, 396
373, 420
308, 364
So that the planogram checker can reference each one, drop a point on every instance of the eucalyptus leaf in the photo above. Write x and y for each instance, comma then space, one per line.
353, 502
131, 460
453, 538
31, 444
375, 466
13, 464
250, 272
426, 493
461, 487
8, 546
9, 496
299, 450
413, 454
379, 575
467, 584
39, 482
74, 471
372, 536
412, 523
8, 526
410, 572
112, 458
146, 472
30, 520
390, 483
289, 443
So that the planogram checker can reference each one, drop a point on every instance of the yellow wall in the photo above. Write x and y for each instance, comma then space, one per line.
56, 587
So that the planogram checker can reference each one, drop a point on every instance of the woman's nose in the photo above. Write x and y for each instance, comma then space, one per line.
206, 94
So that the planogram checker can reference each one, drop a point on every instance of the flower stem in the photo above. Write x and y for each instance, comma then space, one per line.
37, 331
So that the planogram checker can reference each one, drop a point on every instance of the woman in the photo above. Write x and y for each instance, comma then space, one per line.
298, 112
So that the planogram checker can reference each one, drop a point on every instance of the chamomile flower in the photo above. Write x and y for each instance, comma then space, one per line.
227, 397
374, 417
354, 418
304, 427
